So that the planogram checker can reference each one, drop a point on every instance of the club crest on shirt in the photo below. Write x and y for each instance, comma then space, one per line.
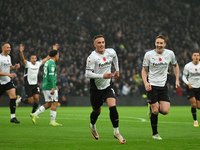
195, 69
53, 68
104, 59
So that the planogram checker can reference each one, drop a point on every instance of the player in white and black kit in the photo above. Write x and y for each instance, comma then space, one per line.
98, 69
6, 84
191, 77
155, 65
31, 78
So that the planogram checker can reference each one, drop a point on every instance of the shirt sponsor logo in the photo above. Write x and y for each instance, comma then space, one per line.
161, 64
33, 68
5, 65
106, 63
195, 74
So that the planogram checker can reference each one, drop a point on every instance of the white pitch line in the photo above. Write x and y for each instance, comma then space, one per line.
141, 119
132, 119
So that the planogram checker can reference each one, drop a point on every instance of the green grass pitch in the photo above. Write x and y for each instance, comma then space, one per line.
176, 129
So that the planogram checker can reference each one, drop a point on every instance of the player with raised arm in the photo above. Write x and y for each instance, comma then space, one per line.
49, 89
98, 69
155, 64
191, 77
31, 79
6, 84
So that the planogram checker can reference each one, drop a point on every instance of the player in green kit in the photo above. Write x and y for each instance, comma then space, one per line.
49, 89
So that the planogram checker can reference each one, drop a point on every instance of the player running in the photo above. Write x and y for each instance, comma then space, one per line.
31, 79
98, 69
191, 77
49, 89
6, 84
156, 63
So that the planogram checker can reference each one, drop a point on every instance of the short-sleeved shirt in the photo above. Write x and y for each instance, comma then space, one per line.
49, 75
31, 72
192, 73
158, 65
5, 64
100, 64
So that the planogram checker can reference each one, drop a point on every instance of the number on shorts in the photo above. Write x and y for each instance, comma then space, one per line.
113, 91
38, 89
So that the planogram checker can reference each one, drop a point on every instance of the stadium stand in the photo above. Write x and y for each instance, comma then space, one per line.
130, 27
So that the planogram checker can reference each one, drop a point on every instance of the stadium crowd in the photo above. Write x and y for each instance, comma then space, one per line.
130, 27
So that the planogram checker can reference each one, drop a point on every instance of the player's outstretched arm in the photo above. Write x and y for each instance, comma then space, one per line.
55, 47
21, 48
45, 59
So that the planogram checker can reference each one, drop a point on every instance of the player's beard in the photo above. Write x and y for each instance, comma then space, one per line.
196, 61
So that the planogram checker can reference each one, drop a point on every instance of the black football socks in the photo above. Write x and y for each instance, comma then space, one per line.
194, 115
12, 106
35, 106
154, 122
114, 117
94, 117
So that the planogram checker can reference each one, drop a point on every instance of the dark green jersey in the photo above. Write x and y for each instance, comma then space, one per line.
49, 75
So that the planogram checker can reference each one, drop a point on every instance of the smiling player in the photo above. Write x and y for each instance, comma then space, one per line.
98, 69
31, 79
6, 84
156, 63
191, 77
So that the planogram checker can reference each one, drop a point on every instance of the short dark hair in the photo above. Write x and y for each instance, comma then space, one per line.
162, 37
195, 51
53, 53
32, 55
97, 36
3, 43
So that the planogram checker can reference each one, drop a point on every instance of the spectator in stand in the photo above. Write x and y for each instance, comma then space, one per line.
130, 35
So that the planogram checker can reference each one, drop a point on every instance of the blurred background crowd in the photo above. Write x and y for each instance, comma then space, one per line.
129, 26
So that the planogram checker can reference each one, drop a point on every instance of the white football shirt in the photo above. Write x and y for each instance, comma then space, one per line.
5, 64
191, 74
158, 65
31, 72
101, 64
